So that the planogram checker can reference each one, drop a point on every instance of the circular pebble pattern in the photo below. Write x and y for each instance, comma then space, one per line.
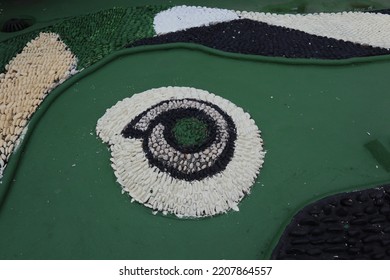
352, 225
44, 63
185, 180
192, 162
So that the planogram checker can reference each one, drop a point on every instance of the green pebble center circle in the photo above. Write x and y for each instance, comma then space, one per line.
190, 132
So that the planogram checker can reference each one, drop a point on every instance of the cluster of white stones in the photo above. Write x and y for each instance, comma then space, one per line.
43, 63
158, 190
184, 162
358, 27
184, 17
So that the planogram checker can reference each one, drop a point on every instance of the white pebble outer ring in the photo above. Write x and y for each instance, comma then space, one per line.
158, 190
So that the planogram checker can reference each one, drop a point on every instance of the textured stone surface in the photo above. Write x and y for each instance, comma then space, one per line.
352, 225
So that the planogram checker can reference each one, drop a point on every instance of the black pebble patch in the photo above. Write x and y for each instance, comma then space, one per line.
15, 24
345, 226
168, 119
246, 36
384, 11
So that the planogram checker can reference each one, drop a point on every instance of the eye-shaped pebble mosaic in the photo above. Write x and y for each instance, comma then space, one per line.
42, 65
183, 150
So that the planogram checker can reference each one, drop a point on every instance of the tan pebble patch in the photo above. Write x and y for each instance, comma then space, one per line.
29, 77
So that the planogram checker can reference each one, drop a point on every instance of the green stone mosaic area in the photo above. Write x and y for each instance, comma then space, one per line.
91, 37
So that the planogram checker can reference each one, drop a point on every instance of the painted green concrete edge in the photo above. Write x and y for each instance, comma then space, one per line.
52, 96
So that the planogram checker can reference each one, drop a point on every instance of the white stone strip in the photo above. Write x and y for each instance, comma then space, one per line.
184, 17
158, 190
44, 63
358, 27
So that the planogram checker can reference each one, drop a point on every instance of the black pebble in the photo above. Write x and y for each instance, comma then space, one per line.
379, 202
317, 231
359, 221
386, 229
385, 209
367, 249
336, 228
362, 197
335, 249
295, 251
317, 241
377, 256
371, 229
352, 241
309, 222
313, 252
359, 214
372, 238
353, 250
336, 240
299, 241
385, 242
329, 220
327, 209
353, 232
299, 232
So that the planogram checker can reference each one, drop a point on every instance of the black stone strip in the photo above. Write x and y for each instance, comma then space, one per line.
167, 119
246, 36
353, 225
181, 113
383, 11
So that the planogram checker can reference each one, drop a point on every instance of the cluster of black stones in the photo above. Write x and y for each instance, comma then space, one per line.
352, 225
186, 162
247, 36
